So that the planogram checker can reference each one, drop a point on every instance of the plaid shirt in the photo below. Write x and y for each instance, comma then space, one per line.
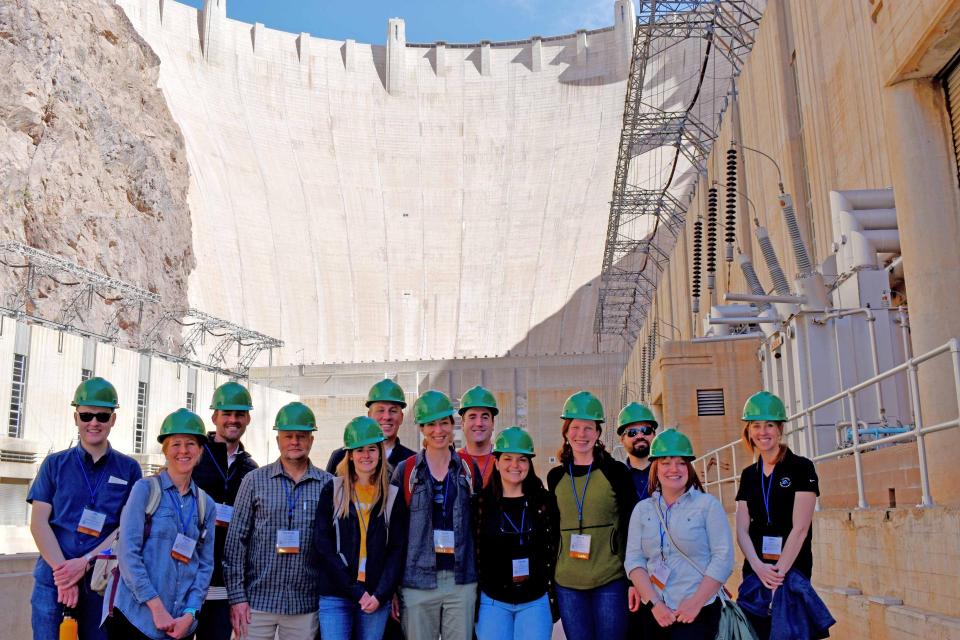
252, 569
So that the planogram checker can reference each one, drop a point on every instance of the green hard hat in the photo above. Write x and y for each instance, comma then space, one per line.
386, 391
478, 397
634, 412
182, 422
671, 443
231, 396
430, 406
95, 392
514, 440
362, 431
295, 416
582, 405
763, 405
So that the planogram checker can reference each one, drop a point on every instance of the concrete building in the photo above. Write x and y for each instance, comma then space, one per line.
856, 105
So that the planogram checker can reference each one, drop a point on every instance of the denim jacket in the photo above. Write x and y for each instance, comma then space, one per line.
147, 569
420, 568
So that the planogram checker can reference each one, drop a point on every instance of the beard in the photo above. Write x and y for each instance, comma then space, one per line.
640, 449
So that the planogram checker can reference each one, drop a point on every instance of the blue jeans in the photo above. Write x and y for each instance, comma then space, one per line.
594, 614
504, 621
46, 613
341, 619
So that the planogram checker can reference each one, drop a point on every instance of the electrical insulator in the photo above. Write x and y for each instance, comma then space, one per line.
730, 233
697, 253
712, 238
780, 284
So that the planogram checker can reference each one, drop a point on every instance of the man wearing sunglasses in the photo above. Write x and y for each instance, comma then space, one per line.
222, 467
636, 427
77, 498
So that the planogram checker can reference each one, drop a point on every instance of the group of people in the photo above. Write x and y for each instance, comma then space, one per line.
389, 542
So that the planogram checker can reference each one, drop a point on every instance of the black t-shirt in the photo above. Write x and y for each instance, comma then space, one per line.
791, 475
444, 497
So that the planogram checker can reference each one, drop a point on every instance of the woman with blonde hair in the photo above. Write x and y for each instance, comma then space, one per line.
165, 548
360, 537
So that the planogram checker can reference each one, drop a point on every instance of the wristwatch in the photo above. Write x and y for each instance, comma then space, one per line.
650, 604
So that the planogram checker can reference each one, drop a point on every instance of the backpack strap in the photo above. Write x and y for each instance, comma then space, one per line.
408, 478
153, 502
392, 492
467, 468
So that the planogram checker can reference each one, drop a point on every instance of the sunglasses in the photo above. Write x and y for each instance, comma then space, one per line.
633, 432
102, 416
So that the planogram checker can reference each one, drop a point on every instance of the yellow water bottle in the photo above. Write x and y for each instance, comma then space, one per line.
68, 628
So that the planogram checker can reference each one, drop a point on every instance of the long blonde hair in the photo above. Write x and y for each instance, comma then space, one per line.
348, 474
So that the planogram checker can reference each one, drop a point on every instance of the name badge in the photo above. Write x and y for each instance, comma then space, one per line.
362, 573
521, 569
224, 514
772, 547
288, 541
580, 546
183, 548
91, 522
660, 575
116, 480
443, 541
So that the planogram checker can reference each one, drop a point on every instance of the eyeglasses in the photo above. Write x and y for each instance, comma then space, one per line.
102, 416
633, 432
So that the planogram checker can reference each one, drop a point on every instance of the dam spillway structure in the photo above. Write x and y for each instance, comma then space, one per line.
431, 212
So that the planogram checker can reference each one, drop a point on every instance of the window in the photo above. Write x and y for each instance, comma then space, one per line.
710, 402
950, 78
85, 374
18, 396
140, 428
191, 401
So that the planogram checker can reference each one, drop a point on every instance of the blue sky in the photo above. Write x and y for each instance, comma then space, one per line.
427, 20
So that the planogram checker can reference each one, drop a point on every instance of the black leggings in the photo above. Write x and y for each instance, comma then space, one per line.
760, 624
119, 628
704, 627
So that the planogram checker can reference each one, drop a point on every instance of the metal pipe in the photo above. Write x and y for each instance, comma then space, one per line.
857, 462
736, 336
753, 297
747, 320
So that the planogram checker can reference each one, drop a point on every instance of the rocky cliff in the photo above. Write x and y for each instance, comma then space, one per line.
92, 165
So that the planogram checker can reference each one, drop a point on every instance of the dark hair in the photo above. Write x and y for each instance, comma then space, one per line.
565, 452
530, 485
693, 480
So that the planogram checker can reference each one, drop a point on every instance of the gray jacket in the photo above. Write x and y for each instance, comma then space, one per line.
420, 569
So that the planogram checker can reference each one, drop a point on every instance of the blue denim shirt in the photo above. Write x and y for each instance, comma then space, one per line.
148, 570
60, 483
699, 525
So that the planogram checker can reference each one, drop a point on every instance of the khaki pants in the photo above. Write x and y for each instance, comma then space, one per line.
446, 611
267, 626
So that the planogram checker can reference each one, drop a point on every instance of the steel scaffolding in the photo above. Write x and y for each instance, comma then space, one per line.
646, 217
73, 312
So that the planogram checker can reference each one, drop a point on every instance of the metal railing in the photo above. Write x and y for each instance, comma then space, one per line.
713, 462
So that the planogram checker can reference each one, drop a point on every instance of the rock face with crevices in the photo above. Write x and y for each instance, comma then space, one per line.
92, 165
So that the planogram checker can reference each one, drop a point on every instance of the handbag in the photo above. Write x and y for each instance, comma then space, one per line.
733, 622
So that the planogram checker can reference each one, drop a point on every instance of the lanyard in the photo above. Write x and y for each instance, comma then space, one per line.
483, 472
92, 488
766, 489
363, 521
227, 477
179, 509
446, 496
666, 521
523, 517
581, 499
291, 500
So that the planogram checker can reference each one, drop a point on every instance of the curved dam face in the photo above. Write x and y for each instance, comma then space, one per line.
399, 202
